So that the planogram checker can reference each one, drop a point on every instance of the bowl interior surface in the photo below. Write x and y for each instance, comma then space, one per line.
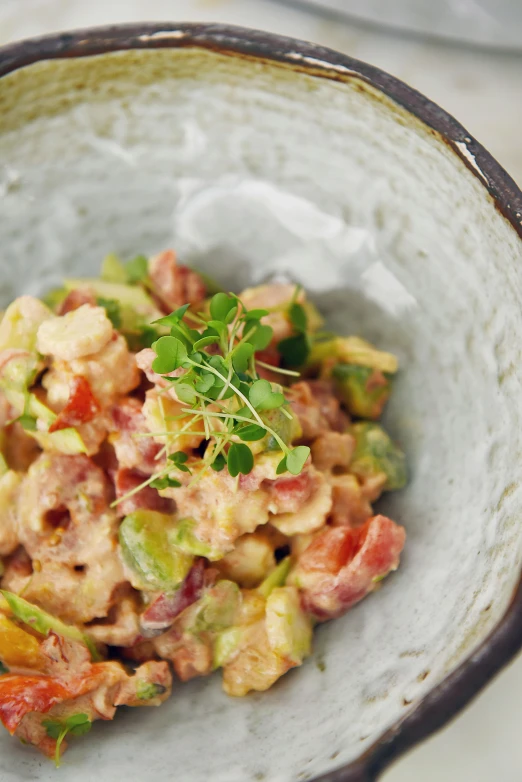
255, 171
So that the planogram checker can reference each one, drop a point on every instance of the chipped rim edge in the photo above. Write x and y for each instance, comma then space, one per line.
447, 698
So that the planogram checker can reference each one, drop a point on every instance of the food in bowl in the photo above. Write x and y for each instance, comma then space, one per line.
187, 480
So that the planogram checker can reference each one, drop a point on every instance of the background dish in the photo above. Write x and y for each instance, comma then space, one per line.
392, 211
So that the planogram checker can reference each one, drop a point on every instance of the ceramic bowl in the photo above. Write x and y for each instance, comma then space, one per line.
258, 156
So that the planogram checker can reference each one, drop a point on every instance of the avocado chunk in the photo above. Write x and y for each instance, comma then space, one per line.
288, 628
352, 350
182, 535
149, 553
45, 623
276, 578
288, 429
132, 296
226, 644
376, 454
217, 608
363, 390
113, 270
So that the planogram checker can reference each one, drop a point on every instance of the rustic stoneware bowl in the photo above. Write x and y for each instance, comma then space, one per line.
259, 156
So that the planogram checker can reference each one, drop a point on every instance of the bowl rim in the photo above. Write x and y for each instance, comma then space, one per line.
453, 693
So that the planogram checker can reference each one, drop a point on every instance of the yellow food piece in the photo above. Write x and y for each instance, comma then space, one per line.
18, 648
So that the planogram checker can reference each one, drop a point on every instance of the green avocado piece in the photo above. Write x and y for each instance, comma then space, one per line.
276, 578
149, 553
288, 429
352, 350
132, 296
112, 269
183, 536
375, 453
225, 646
363, 390
288, 628
217, 608
44, 623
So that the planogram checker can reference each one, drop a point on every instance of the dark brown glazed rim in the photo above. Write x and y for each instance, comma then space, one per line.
451, 695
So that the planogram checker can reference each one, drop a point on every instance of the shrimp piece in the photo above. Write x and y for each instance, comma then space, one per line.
317, 408
126, 421
342, 565
174, 284
66, 526
309, 511
332, 449
110, 372
350, 506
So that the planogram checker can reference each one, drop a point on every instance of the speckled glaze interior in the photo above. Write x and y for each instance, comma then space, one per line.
252, 170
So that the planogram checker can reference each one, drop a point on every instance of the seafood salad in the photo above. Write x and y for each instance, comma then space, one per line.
186, 484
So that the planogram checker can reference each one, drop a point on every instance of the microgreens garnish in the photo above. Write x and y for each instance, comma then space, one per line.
212, 369
294, 350
76, 725
3, 669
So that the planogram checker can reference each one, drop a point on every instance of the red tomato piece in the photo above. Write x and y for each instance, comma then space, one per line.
166, 607
82, 406
20, 695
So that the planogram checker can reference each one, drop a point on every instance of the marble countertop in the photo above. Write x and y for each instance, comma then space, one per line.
484, 91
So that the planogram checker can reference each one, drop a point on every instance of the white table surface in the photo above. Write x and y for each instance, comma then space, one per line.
484, 91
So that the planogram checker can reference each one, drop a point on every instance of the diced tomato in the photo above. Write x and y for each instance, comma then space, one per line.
342, 565
331, 550
20, 695
82, 406
166, 607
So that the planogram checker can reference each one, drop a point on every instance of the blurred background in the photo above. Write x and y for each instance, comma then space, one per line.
467, 56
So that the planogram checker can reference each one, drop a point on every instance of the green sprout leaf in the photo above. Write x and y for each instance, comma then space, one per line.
137, 269
165, 483
261, 338
231, 315
263, 398
76, 724
294, 350
173, 318
251, 433
219, 463
281, 467
205, 341
205, 383
170, 352
239, 459
113, 310
241, 356
220, 305
186, 393
296, 459
179, 458
298, 317
254, 315
3, 669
